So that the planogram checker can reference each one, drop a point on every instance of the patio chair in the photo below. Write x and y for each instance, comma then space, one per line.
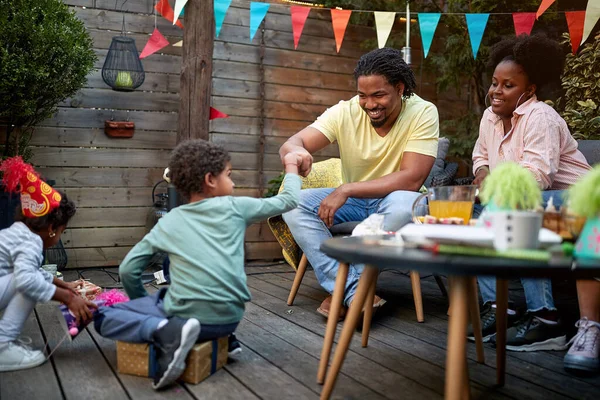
324, 174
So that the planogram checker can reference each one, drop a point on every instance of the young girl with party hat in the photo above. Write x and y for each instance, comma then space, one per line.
42, 218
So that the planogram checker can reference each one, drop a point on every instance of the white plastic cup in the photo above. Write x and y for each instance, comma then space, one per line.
516, 229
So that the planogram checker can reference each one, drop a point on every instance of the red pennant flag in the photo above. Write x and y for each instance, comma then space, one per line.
156, 42
543, 7
339, 19
299, 15
523, 23
164, 9
214, 114
575, 20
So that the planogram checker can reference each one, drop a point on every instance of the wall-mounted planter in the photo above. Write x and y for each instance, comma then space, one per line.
119, 129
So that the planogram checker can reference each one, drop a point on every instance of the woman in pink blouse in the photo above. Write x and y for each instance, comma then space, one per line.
518, 127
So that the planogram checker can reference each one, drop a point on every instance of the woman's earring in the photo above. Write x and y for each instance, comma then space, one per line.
52, 234
517, 106
485, 100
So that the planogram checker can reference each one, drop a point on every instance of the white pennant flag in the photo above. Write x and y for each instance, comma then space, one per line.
179, 4
384, 20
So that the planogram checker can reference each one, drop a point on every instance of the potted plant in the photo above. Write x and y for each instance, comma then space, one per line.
584, 200
579, 105
512, 196
45, 56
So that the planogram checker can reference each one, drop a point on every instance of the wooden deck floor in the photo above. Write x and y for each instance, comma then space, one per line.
281, 346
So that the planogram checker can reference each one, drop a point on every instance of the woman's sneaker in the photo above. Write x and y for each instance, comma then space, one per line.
16, 356
531, 333
173, 342
234, 347
583, 356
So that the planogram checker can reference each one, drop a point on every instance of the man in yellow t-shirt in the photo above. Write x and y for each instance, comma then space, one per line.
387, 137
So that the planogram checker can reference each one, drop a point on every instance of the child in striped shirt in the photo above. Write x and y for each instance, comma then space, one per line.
43, 217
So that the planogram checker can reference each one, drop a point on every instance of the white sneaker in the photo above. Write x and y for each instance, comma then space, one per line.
15, 356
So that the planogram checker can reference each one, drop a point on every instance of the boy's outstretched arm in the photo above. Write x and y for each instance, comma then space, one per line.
134, 264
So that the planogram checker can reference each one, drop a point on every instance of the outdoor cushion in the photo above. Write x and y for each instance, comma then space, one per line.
440, 162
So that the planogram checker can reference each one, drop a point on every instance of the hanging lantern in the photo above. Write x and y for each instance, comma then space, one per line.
122, 69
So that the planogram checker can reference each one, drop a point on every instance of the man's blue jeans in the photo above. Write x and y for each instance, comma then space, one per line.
538, 292
310, 231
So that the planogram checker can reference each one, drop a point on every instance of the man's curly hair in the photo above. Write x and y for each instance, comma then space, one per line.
192, 160
389, 63
541, 58
58, 217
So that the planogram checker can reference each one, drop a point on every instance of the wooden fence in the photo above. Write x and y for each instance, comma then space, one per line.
269, 90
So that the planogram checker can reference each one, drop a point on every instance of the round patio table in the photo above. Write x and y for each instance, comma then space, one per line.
380, 252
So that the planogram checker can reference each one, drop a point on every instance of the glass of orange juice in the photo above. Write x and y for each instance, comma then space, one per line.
448, 202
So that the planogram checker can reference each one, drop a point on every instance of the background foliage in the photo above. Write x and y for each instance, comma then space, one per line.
45, 55
581, 82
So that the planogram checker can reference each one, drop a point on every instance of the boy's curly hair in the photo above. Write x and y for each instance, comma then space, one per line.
541, 58
60, 216
192, 160
389, 63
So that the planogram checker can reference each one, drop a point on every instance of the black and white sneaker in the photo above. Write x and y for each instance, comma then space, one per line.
488, 323
234, 347
533, 334
173, 342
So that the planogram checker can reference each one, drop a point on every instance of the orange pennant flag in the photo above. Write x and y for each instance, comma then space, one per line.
575, 20
523, 23
339, 20
299, 15
543, 7
164, 8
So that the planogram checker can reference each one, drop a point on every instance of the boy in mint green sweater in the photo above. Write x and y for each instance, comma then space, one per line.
205, 243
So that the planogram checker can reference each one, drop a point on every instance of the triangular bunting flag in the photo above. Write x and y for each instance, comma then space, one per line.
383, 23
214, 114
543, 7
575, 22
179, 4
523, 23
178, 44
156, 42
339, 20
592, 13
257, 14
476, 25
221, 7
427, 24
164, 8
299, 15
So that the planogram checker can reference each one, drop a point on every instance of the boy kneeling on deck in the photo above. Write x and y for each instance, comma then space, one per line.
205, 243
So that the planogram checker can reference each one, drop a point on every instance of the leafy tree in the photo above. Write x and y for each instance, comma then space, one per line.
45, 55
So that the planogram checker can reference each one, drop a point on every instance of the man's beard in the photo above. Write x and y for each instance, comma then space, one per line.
379, 124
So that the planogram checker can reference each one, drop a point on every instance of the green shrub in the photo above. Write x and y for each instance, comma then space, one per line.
45, 56
581, 82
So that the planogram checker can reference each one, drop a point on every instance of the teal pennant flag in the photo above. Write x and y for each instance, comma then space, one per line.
258, 11
476, 25
427, 24
221, 7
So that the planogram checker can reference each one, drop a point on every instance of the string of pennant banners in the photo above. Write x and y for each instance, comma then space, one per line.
580, 23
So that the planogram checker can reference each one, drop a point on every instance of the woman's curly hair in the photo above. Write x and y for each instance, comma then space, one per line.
541, 58
192, 160
60, 216
389, 63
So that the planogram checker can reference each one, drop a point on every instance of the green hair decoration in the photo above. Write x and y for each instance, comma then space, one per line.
584, 195
511, 187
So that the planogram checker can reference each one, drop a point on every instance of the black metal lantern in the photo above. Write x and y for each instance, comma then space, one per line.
122, 69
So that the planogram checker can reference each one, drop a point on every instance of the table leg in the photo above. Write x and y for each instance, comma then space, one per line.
415, 282
501, 306
332, 319
456, 359
368, 314
475, 321
364, 285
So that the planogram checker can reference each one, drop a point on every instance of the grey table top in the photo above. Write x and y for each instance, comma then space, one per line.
379, 252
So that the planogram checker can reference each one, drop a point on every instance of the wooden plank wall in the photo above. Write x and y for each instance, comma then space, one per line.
264, 85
